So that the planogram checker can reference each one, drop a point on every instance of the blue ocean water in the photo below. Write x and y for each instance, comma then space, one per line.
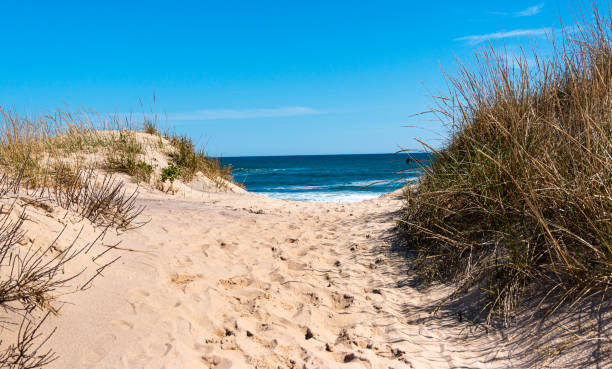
328, 178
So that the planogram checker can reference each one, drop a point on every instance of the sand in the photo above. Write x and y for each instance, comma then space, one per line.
239, 280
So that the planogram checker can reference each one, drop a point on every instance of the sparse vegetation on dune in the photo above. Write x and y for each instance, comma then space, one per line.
185, 160
71, 161
519, 203
149, 127
189, 161
43, 146
31, 276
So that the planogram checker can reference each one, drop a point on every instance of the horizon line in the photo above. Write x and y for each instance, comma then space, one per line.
291, 155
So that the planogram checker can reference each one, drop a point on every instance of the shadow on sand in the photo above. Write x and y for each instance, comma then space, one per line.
577, 335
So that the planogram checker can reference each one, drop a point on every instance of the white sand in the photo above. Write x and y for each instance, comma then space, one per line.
226, 280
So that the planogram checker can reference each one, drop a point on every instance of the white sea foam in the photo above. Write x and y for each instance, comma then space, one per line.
380, 182
298, 188
335, 185
338, 196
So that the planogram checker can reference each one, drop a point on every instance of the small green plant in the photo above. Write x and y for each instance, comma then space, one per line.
169, 173
142, 171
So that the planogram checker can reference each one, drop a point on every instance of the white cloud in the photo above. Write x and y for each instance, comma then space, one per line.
212, 114
527, 12
476, 39
532, 10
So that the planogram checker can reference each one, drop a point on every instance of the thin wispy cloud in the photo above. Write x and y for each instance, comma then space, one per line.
217, 114
532, 10
527, 12
477, 39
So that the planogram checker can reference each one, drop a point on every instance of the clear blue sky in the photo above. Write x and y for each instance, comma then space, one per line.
257, 77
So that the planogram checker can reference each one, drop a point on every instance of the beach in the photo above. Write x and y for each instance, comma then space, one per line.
230, 279
205, 274
237, 280
420, 185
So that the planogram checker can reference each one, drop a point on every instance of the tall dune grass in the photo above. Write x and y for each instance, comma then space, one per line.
52, 144
519, 202
45, 154
189, 160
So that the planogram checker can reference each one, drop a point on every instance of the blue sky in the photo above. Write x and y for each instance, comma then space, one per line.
258, 77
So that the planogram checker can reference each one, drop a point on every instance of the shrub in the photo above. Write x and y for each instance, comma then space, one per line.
169, 173
143, 171
519, 202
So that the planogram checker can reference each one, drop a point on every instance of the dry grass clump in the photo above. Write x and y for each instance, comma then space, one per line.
31, 145
123, 153
19, 142
186, 160
48, 156
189, 161
149, 127
519, 203
102, 199
30, 276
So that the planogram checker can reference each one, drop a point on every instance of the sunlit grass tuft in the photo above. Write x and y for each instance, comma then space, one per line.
519, 203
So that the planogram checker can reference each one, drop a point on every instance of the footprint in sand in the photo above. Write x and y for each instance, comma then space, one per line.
102, 348
217, 362
148, 268
123, 324
292, 265
342, 301
183, 261
314, 299
160, 348
140, 293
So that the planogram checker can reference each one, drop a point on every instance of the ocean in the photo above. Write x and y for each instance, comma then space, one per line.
326, 178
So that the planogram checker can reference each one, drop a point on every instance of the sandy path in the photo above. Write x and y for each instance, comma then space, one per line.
242, 281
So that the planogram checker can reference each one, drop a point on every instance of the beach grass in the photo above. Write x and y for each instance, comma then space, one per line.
518, 204
190, 161
34, 146
186, 160
70, 160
